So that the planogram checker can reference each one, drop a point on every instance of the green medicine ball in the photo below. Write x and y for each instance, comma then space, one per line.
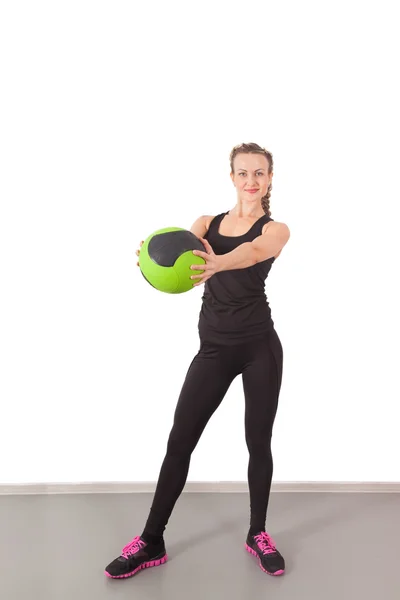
166, 257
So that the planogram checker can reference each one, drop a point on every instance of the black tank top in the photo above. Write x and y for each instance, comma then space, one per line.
235, 308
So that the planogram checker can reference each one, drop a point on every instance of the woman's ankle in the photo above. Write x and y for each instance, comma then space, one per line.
152, 539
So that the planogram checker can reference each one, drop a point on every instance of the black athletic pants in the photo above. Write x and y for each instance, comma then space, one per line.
209, 376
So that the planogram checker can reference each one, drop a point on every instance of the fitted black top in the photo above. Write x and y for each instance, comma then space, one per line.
235, 307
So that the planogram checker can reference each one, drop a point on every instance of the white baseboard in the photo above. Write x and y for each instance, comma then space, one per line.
227, 487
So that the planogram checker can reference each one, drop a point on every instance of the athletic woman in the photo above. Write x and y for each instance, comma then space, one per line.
237, 337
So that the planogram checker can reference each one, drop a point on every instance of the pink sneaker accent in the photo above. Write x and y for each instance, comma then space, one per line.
134, 546
265, 543
267, 546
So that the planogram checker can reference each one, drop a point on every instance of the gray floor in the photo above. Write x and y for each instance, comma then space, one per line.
335, 545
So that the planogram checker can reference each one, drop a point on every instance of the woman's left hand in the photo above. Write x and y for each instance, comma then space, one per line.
211, 267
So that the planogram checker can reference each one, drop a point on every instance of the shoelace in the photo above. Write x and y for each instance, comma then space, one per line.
134, 546
265, 543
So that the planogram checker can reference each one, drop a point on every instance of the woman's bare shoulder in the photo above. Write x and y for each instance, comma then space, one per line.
277, 225
201, 225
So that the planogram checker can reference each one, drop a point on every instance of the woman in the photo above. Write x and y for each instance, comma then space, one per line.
237, 336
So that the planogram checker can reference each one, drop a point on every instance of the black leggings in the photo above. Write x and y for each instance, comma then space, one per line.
209, 376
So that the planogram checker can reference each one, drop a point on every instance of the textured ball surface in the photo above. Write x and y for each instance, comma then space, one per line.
166, 257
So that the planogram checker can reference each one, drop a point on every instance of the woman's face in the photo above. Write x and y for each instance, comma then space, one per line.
251, 173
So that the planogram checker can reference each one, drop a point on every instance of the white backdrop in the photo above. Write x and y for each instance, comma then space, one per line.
117, 119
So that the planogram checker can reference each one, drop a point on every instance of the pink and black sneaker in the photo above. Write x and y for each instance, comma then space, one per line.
137, 555
263, 546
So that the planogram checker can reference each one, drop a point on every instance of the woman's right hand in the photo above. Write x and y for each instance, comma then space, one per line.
138, 251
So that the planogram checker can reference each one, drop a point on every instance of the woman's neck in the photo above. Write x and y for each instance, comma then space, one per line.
247, 213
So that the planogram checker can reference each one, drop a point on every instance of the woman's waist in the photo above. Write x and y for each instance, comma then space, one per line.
234, 298
234, 326
235, 312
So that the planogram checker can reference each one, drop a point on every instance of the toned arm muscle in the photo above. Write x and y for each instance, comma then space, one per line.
201, 225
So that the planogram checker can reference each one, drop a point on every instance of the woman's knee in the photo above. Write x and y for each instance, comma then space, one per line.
180, 444
259, 446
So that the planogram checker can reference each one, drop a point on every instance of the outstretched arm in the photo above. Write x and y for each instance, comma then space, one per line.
262, 248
